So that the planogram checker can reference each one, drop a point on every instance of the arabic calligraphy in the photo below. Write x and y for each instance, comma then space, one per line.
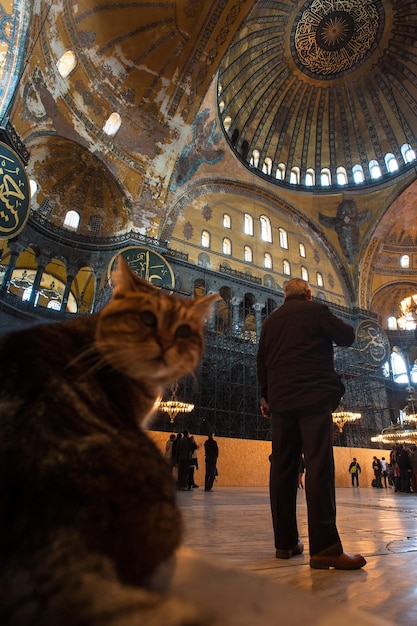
373, 342
329, 40
149, 265
14, 193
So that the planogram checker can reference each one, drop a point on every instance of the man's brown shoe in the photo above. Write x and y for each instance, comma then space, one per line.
340, 561
287, 554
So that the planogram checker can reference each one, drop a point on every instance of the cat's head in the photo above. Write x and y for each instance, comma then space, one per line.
149, 335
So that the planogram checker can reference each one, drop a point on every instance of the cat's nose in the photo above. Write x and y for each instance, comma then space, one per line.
164, 343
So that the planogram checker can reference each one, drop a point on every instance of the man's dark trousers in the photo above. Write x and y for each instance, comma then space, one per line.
309, 430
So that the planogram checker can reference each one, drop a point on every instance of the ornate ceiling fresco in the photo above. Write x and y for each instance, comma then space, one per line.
323, 84
312, 85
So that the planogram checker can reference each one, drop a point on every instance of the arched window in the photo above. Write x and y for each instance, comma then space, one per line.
227, 221
341, 176
204, 260
286, 267
72, 220
295, 176
205, 239
248, 224
391, 162
268, 261
302, 250
267, 166
67, 63
304, 273
398, 366
280, 172
54, 304
33, 187
234, 137
221, 106
357, 173
227, 122
95, 224
310, 177
227, 246
112, 124
319, 279
325, 177
248, 254
266, 230
254, 162
392, 323
405, 261
283, 238
374, 169
408, 153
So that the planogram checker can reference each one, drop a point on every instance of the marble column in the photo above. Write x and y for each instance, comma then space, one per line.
257, 307
42, 262
235, 302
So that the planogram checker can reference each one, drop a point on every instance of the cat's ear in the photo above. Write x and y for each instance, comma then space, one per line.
204, 306
124, 280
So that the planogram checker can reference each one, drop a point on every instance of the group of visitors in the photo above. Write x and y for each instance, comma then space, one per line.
181, 453
399, 472
402, 468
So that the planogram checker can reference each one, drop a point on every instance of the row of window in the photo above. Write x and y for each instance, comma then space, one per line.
268, 263
358, 175
324, 178
248, 229
227, 244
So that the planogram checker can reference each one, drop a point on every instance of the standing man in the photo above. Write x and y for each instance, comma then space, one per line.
212, 453
298, 381
355, 470
377, 467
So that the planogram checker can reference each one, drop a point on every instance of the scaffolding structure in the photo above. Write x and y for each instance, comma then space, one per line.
226, 393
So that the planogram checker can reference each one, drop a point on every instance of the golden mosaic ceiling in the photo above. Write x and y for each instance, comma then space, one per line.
323, 84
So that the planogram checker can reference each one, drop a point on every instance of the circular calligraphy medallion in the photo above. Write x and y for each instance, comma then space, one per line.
328, 41
14, 193
372, 341
147, 264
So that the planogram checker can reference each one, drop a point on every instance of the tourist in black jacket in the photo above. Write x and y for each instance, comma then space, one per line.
299, 383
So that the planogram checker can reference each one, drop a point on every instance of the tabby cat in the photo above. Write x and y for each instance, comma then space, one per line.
87, 502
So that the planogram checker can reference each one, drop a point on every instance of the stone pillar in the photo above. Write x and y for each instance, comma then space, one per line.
42, 262
235, 302
70, 277
211, 323
14, 253
257, 307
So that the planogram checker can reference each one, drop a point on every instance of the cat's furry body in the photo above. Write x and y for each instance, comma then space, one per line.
84, 493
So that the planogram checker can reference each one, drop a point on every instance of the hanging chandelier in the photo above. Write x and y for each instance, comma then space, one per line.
341, 418
173, 406
396, 434
405, 431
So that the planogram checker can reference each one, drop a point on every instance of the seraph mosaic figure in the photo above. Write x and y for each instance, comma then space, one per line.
346, 224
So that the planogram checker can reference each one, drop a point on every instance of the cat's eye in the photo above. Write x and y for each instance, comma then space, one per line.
183, 331
148, 319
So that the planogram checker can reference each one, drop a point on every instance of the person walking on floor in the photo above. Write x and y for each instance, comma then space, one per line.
212, 454
384, 470
184, 452
301, 388
355, 470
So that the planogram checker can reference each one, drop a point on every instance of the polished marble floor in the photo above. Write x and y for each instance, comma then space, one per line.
234, 524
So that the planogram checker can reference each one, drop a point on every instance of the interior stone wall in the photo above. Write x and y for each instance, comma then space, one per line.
245, 463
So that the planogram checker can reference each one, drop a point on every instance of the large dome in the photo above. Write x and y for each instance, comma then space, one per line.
322, 92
